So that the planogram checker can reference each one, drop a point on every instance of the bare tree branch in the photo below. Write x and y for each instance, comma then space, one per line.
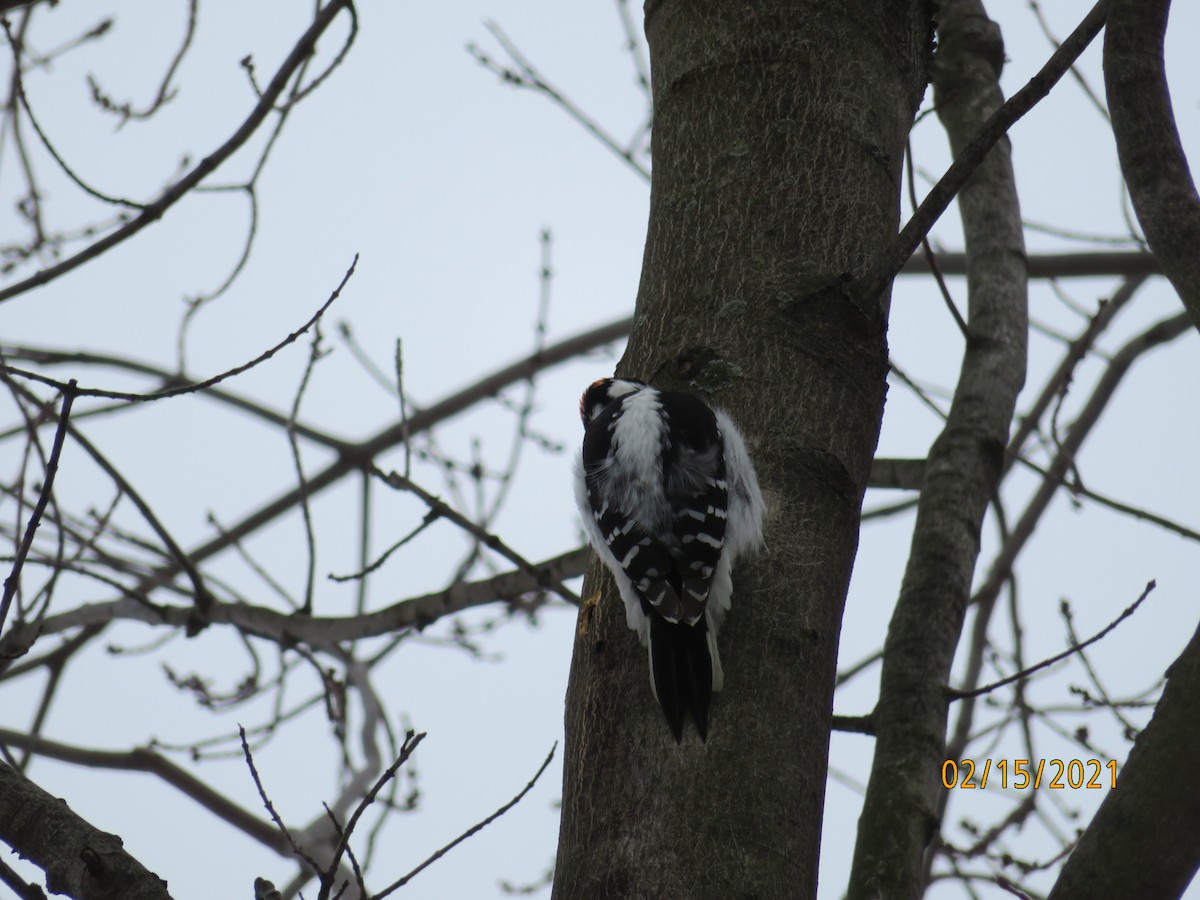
969, 158
1142, 841
24, 890
964, 469
411, 741
154, 211
474, 829
165, 92
315, 631
1126, 264
1160, 333
1057, 383
1058, 657
359, 456
13, 582
19, 89
297, 848
193, 387
52, 357
1152, 158
491, 541
143, 759
525, 75
897, 474
310, 542
78, 858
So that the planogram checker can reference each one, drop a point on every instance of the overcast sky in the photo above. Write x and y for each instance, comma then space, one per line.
442, 180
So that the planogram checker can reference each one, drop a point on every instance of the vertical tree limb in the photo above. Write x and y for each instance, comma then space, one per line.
1152, 158
900, 811
1143, 841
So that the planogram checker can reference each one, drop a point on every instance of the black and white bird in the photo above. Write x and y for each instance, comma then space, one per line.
670, 500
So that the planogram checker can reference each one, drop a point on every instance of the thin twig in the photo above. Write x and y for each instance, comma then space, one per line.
1076, 234
195, 304
165, 92
195, 386
922, 395
51, 357
640, 69
373, 370
411, 742
202, 599
256, 567
1075, 73
55, 663
300, 93
284, 110
489, 511
262, 792
1063, 374
1070, 651
301, 52
430, 517
1079, 490
939, 197
358, 876
404, 434
366, 486
1131, 730
314, 357
19, 89
474, 829
13, 581
490, 540
930, 258
527, 76
863, 664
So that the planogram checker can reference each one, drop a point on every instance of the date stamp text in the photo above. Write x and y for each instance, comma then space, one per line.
1019, 774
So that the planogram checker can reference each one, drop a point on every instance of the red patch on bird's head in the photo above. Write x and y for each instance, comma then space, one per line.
600, 384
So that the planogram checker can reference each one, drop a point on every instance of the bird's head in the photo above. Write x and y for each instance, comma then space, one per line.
603, 392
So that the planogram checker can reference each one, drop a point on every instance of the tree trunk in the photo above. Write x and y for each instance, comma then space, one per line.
779, 133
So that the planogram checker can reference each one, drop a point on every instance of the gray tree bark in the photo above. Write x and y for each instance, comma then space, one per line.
1145, 839
778, 140
1152, 158
902, 808
79, 860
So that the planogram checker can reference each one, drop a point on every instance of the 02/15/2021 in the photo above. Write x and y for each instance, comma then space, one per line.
1023, 773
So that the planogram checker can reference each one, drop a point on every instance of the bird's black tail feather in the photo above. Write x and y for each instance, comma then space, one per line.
681, 672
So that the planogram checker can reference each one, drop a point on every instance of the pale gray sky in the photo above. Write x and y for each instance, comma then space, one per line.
442, 178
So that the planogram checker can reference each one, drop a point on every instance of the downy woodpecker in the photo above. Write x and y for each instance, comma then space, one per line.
670, 500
